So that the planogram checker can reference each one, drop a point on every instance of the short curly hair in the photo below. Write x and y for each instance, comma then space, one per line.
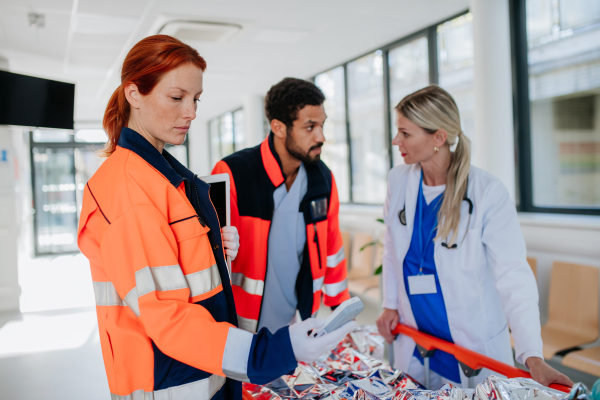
289, 96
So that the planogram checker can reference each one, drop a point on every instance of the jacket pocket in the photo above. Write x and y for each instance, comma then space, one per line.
187, 227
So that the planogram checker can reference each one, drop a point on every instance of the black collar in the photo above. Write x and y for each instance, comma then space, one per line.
131, 140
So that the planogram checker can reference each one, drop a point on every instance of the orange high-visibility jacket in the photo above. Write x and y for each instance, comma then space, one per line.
255, 174
166, 314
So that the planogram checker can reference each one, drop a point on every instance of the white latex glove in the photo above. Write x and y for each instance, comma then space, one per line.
308, 348
231, 241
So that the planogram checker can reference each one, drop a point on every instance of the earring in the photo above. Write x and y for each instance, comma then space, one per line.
436, 149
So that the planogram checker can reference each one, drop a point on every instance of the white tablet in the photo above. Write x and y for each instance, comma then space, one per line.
219, 195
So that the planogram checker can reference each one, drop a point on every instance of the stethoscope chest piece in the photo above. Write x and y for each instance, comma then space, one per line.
402, 216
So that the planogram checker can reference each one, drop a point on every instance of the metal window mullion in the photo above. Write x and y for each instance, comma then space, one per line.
33, 195
348, 135
521, 109
432, 53
386, 105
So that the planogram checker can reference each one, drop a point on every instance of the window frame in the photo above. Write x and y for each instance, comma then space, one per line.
522, 118
430, 32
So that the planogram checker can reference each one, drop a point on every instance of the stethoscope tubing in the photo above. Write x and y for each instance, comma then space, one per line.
402, 218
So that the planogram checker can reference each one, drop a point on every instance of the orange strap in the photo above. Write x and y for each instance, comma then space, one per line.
468, 357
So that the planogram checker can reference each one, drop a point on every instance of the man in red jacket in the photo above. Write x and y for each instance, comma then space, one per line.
285, 204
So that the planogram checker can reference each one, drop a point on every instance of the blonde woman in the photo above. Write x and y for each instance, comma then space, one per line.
454, 256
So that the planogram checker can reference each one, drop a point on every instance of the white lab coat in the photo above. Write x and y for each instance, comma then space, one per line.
486, 281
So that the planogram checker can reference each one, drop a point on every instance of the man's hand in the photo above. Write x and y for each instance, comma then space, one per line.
542, 373
387, 322
231, 241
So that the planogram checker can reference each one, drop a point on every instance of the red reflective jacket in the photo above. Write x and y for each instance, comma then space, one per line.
255, 174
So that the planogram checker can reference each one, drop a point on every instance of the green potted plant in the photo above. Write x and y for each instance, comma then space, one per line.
376, 243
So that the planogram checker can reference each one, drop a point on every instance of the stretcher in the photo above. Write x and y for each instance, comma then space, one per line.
471, 363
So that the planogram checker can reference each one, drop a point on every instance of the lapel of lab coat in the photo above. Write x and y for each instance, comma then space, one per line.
411, 197
405, 346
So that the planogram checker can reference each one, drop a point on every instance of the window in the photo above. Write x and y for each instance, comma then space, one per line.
335, 151
361, 96
409, 72
62, 162
455, 66
226, 135
60, 169
369, 161
557, 53
55, 200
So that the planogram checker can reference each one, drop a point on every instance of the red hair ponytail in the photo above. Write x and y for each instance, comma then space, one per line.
144, 65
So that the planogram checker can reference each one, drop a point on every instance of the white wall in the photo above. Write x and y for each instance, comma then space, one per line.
254, 114
494, 129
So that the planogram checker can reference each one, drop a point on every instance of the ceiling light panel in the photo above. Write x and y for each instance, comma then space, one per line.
200, 31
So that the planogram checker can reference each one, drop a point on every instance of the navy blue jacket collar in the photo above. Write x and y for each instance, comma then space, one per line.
131, 140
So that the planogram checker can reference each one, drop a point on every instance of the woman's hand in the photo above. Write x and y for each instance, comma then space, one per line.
387, 322
546, 375
231, 241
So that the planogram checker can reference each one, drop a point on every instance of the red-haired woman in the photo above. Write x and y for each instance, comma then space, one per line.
166, 315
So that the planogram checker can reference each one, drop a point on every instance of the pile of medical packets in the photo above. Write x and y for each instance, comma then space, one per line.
355, 371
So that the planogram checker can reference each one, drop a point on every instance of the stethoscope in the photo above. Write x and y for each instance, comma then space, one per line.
402, 217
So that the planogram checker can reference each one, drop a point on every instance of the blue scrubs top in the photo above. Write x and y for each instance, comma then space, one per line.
429, 309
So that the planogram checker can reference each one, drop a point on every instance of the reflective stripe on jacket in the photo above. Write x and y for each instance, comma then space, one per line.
166, 314
255, 174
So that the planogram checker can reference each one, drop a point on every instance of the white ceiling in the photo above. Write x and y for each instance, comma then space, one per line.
85, 41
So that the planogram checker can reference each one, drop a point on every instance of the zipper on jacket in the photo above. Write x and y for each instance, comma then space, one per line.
194, 190
316, 240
